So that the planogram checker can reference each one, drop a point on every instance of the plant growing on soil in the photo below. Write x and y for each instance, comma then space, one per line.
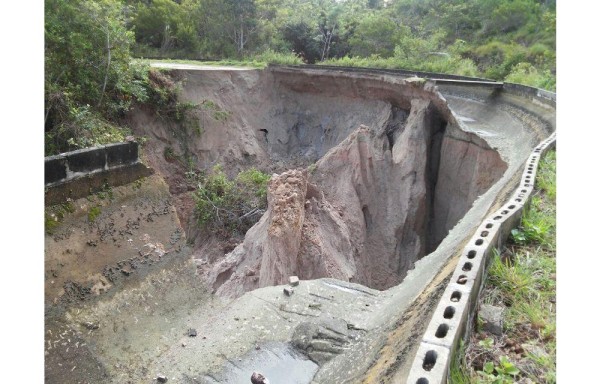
54, 215
231, 206
93, 213
503, 373
169, 154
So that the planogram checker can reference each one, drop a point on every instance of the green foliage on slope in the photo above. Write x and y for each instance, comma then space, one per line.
91, 80
229, 206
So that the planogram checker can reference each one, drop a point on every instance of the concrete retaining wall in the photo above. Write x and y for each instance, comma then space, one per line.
77, 174
400, 72
70, 165
454, 314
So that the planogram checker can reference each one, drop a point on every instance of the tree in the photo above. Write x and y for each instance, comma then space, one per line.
87, 64
377, 35
241, 22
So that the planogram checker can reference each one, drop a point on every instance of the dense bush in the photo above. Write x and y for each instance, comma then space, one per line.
231, 206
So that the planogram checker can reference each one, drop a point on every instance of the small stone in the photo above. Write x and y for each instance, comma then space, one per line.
91, 326
535, 350
192, 332
183, 344
288, 291
492, 318
294, 281
258, 378
161, 378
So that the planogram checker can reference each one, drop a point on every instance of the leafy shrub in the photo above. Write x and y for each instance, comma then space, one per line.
271, 57
231, 206
527, 74
505, 372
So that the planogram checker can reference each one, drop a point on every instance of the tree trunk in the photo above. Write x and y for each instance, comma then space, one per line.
107, 66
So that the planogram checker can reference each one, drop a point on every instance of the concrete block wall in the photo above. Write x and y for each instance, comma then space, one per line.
70, 165
77, 174
541, 95
454, 314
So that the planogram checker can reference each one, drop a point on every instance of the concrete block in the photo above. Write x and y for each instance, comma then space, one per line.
449, 318
430, 366
121, 153
468, 272
55, 169
87, 160
294, 281
513, 220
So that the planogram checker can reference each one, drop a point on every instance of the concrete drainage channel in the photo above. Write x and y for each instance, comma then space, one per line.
454, 314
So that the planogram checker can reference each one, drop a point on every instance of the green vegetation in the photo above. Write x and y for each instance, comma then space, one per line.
91, 80
105, 192
230, 206
509, 39
55, 214
93, 213
503, 373
523, 281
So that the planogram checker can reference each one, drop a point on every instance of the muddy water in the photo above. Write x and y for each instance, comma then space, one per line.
278, 362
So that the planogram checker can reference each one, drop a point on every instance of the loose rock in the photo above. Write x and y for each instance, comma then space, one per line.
288, 291
258, 378
492, 318
192, 332
294, 281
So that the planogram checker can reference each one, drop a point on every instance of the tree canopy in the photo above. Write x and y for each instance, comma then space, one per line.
90, 80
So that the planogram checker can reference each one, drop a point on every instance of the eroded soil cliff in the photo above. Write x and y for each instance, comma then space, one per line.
382, 173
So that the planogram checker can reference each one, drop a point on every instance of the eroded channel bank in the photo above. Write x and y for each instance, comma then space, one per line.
388, 172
